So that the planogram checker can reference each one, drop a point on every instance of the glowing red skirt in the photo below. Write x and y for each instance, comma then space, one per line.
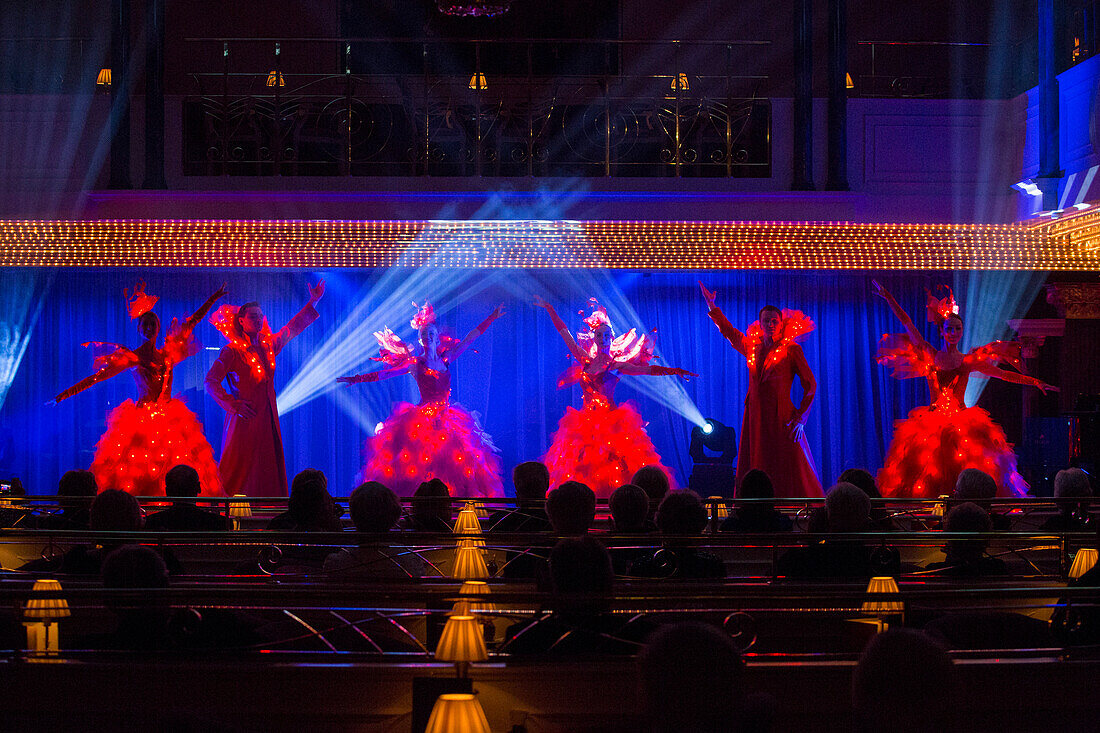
436, 440
143, 442
602, 447
932, 446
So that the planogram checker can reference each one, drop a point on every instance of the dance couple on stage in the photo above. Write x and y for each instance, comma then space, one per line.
145, 439
601, 445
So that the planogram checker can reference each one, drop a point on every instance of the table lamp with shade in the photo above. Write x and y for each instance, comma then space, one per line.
43, 614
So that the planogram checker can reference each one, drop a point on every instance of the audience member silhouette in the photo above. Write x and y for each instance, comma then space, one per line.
630, 510
680, 518
905, 683
147, 621
865, 482
75, 490
571, 509
111, 511
756, 516
967, 558
310, 507
184, 515
630, 515
848, 510
1070, 483
375, 509
693, 679
979, 487
654, 482
431, 508
532, 481
581, 580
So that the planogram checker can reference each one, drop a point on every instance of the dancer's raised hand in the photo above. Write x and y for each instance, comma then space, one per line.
316, 291
708, 295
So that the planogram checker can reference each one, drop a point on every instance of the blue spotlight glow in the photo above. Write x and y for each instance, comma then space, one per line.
991, 299
20, 306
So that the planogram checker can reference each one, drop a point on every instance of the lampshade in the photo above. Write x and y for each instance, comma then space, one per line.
1082, 562
478, 82
274, 78
46, 607
462, 640
104, 78
469, 564
722, 510
940, 507
848, 83
470, 590
239, 507
680, 82
478, 543
455, 713
883, 585
466, 522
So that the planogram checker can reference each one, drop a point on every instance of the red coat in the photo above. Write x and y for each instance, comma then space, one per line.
252, 461
765, 437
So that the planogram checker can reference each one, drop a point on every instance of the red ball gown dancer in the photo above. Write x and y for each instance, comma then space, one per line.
146, 438
935, 443
436, 438
603, 444
773, 436
252, 460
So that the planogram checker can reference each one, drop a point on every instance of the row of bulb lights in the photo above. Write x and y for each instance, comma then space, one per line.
545, 244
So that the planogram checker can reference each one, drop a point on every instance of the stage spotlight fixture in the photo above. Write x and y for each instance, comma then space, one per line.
712, 449
1027, 186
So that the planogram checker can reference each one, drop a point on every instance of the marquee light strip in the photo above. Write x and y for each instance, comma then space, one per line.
1072, 243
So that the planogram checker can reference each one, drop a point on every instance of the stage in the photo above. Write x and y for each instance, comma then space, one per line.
63, 283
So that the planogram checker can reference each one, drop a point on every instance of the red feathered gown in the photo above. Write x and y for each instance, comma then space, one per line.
434, 439
252, 461
601, 445
765, 438
145, 439
934, 444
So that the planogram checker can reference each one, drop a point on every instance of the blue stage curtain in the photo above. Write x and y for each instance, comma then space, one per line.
509, 377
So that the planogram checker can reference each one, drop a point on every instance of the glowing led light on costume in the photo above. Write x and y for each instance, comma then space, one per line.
225, 320
795, 326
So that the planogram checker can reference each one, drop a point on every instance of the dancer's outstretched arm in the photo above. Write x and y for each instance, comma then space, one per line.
111, 366
481, 328
735, 337
188, 325
378, 375
563, 330
304, 317
1016, 378
914, 335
